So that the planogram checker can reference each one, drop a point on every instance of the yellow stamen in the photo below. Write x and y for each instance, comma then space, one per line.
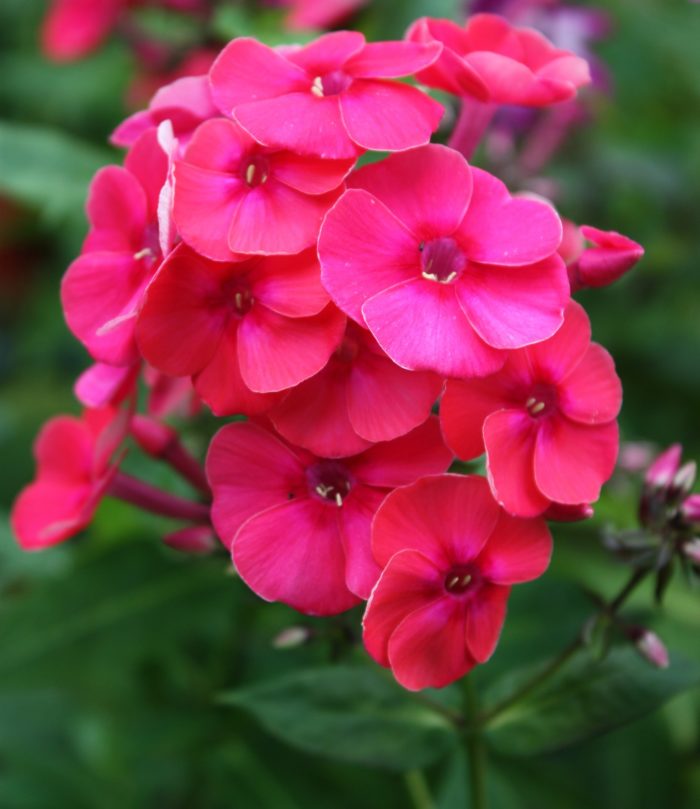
538, 408
317, 87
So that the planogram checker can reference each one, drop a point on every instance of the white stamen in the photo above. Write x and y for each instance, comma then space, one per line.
451, 583
538, 408
531, 401
338, 499
143, 253
317, 87
250, 174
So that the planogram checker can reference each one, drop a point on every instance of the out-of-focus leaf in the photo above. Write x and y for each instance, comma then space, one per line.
46, 169
586, 699
350, 713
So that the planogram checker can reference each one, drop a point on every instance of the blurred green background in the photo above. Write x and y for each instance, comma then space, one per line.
113, 650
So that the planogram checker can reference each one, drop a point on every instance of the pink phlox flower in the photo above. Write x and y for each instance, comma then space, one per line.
491, 60
102, 289
449, 556
333, 97
299, 525
252, 328
74, 28
314, 14
75, 465
547, 420
443, 266
234, 196
602, 258
359, 398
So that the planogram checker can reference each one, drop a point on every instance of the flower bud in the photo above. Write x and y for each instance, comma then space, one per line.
195, 539
684, 479
152, 436
560, 512
652, 648
690, 509
691, 550
610, 257
292, 636
661, 472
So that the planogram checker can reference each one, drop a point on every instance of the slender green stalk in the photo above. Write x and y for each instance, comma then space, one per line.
475, 747
418, 790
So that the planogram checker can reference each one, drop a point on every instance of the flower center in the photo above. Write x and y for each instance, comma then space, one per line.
256, 171
348, 348
151, 244
460, 580
239, 297
329, 481
542, 401
331, 84
442, 260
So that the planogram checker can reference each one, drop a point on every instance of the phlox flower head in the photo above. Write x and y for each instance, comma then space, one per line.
252, 327
493, 61
547, 420
234, 196
102, 289
298, 526
333, 97
450, 556
359, 398
443, 266
74, 459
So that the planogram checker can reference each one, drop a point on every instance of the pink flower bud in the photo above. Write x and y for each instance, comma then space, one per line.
691, 550
690, 508
291, 637
559, 512
153, 437
661, 472
195, 539
611, 256
652, 649
684, 479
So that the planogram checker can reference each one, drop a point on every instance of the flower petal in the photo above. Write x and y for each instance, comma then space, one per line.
390, 60
290, 285
592, 392
484, 620
517, 551
359, 508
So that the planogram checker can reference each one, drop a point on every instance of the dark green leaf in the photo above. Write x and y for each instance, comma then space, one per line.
349, 713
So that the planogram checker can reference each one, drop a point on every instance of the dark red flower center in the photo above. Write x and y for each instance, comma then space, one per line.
347, 350
461, 579
330, 84
150, 249
329, 481
238, 296
442, 260
256, 171
542, 400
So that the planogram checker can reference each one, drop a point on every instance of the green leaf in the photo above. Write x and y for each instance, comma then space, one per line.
350, 713
47, 169
586, 699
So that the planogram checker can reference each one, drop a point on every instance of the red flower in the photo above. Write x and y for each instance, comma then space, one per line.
546, 420
234, 196
330, 98
449, 556
74, 470
251, 328
299, 525
442, 264
491, 60
359, 398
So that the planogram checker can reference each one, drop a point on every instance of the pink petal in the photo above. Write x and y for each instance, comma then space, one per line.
290, 285
428, 648
64, 451
359, 508
249, 471
221, 386
448, 518
390, 60
517, 551
312, 126
45, 514
385, 401
465, 406
512, 231
388, 116
510, 307
405, 459
293, 553
219, 145
510, 436
328, 52
508, 81
246, 70
409, 581
117, 211
277, 352
427, 189
554, 359
147, 161
101, 385
572, 461
184, 297
421, 326
363, 249
309, 174
486, 613
592, 392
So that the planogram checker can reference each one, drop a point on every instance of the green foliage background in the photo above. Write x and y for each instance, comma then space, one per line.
131, 677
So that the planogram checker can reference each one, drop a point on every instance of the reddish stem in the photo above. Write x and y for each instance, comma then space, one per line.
474, 118
149, 498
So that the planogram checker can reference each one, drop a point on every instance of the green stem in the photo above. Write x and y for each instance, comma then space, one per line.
418, 790
608, 609
476, 749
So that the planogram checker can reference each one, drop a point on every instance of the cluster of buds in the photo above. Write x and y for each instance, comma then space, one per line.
370, 322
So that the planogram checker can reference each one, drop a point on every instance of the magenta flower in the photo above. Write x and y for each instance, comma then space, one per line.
298, 525
449, 556
443, 266
74, 28
330, 98
233, 195
359, 398
74, 470
547, 420
102, 289
491, 60
252, 327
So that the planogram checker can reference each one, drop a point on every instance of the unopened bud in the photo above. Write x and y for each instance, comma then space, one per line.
691, 550
292, 636
684, 479
195, 539
661, 472
652, 648
152, 436
609, 258
559, 512
690, 509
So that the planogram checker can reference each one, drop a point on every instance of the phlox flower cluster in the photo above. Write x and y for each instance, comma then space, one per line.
366, 321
